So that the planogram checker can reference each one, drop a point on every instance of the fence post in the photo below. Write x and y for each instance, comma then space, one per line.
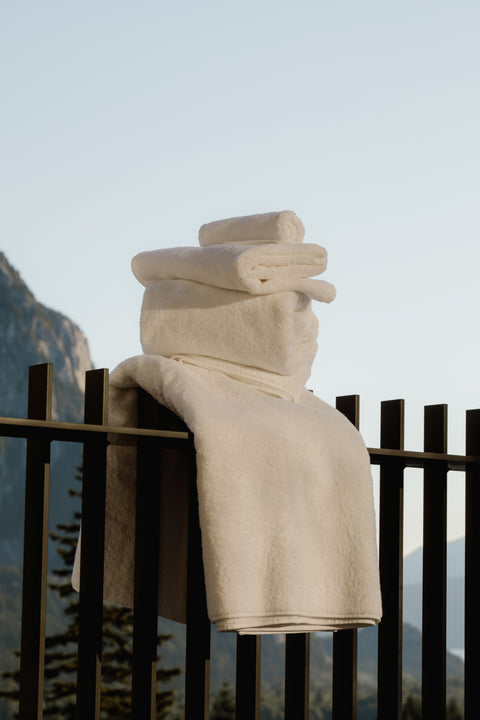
247, 685
37, 483
389, 704
297, 676
344, 700
92, 549
150, 465
434, 603
197, 661
472, 563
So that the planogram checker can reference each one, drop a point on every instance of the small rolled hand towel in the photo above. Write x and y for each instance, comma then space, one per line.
272, 227
276, 332
257, 269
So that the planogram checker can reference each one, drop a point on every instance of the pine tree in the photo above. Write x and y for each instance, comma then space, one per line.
453, 711
224, 704
412, 708
61, 648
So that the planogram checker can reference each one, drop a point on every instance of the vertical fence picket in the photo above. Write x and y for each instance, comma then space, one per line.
297, 676
92, 549
197, 661
389, 705
37, 482
247, 685
472, 563
434, 597
344, 695
147, 552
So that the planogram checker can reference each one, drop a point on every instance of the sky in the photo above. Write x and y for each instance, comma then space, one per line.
125, 126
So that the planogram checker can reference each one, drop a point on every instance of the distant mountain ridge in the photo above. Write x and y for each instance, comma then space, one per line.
31, 333
413, 562
412, 591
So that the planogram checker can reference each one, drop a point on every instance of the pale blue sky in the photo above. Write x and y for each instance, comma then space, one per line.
125, 126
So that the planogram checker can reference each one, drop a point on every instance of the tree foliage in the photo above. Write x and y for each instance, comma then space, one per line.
224, 704
61, 648
454, 711
412, 708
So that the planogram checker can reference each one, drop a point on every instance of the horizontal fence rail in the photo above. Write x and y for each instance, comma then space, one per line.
77, 432
158, 430
80, 432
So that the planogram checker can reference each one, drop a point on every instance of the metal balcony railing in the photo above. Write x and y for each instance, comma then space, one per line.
157, 430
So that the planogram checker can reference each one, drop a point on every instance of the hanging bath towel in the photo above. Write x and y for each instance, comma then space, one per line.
285, 503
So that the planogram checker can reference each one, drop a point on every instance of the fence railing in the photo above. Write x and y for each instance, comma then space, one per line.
157, 430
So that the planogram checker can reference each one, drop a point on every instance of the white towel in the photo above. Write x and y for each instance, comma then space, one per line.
287, 387
275, 332
285, 502
257, 269
272, 227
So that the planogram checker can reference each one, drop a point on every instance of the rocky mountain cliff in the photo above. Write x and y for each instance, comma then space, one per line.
31, 333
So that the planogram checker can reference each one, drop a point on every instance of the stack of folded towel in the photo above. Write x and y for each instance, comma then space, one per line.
284, 485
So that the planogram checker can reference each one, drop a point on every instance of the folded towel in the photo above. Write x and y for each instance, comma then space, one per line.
272, 227
275, 332
257, 269
285, 503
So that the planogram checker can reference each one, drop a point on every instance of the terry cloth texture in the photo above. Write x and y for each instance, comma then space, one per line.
276, 332
285, 503
256, 269
272, 227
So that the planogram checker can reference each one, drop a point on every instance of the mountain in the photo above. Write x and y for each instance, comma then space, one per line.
412, 591
223, 648
31, 333
413, 563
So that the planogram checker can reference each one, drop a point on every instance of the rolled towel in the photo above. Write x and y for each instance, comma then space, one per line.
272, 227
275, 332
257, 269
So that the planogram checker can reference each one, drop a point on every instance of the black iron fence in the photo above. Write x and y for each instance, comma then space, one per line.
157, 430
